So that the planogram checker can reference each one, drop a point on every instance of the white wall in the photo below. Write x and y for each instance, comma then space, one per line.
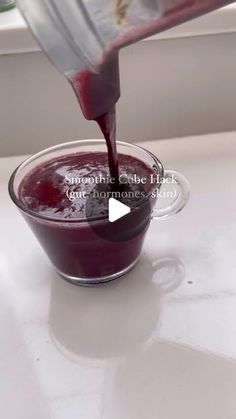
170, 88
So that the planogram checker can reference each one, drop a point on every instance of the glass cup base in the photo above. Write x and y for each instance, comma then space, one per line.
91, 282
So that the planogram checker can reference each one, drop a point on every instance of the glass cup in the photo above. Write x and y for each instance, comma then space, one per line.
93, 250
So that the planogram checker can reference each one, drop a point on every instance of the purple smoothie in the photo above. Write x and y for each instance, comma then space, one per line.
78, 238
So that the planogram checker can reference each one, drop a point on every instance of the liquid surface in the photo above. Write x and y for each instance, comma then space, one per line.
60, 188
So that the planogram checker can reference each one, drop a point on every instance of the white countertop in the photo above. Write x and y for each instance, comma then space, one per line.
160, 343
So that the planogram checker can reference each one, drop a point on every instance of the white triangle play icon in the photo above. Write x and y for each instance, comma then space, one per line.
117, 210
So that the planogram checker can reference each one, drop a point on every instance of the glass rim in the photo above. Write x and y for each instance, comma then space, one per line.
158, 166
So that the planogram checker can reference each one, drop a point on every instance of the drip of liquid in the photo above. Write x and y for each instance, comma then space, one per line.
98, 93
107, 123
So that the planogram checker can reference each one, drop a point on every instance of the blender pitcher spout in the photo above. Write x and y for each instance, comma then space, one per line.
68, 35
82, 38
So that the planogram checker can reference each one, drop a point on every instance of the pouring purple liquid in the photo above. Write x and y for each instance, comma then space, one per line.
98, 94
99, 91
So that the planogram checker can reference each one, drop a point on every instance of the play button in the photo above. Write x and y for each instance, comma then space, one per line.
117, 216
117, 210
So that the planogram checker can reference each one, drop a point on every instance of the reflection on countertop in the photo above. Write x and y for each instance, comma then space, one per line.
116, 319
